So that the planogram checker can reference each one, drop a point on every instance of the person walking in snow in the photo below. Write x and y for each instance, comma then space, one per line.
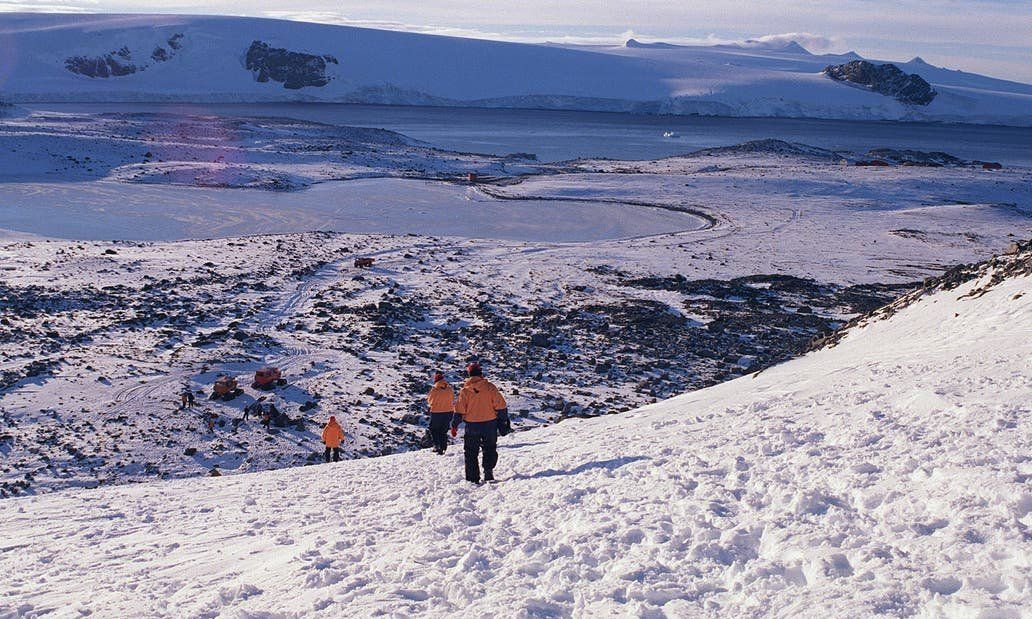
441, 400
254, 408
486, 415
332, 437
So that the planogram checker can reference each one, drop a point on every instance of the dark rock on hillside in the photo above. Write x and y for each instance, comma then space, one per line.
10, 377
113, 64
934, 159
292, 69
770, 146
120, 62
174, 42
885, 79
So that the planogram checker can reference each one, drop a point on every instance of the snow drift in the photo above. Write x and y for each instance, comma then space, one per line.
231, 59
884, 476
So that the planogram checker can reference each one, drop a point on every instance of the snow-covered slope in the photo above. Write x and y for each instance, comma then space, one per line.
205, 59
885, 476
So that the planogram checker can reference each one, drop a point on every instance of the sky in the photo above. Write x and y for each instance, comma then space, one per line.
993, 37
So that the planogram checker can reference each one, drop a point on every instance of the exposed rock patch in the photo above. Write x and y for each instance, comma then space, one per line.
934, 159
120, 63
113, 64
884, 79
174, 42
771, 146
294, 70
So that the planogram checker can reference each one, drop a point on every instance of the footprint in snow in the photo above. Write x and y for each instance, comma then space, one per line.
946, 585
930, 527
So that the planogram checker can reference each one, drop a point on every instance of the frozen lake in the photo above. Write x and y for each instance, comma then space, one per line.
106, 210
560, 135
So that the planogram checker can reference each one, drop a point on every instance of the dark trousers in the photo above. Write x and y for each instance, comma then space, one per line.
336, 454
473, 444
439, 423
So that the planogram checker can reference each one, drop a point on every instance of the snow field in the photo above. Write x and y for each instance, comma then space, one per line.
883, 477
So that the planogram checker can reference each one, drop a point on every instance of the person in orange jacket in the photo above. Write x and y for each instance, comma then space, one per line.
332, 437
441, 400
486, 415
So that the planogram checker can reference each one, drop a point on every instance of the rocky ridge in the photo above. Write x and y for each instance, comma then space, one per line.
770, 146
884, 79
295, 70
120, 62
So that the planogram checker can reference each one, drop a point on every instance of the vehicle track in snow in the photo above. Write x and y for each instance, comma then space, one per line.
294, 353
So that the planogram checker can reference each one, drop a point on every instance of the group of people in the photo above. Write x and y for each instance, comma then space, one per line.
261, 409
480, 405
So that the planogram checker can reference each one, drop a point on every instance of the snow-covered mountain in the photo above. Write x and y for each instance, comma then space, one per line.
886, 475
210, 59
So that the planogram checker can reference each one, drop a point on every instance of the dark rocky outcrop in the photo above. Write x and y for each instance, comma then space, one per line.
113, 64
294, 70
885, 79
920, 158
772, 147
120, 62
174, 42
934, 159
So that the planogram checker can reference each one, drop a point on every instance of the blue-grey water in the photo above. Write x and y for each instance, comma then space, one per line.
559, 135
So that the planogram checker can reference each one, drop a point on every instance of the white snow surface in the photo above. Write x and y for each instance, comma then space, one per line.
388, 67
887, 476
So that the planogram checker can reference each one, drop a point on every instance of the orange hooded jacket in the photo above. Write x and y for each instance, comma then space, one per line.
441, 398
332, 435
479, 400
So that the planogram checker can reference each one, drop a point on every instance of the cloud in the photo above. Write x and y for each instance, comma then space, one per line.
816, 43
337, 19
812, 42
41, 7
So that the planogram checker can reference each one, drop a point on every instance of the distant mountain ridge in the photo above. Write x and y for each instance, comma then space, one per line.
126, 58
